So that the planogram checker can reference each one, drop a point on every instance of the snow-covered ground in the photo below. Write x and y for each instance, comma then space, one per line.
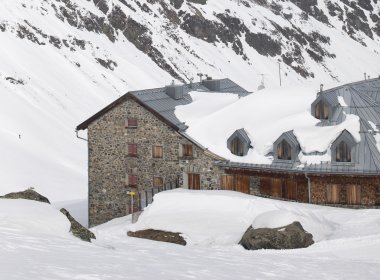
36, 243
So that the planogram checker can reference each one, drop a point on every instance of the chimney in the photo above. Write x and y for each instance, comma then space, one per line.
365, 76
212, 85
321, 88
175, 91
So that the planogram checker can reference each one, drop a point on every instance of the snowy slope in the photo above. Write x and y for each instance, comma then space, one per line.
62, 60
46, 250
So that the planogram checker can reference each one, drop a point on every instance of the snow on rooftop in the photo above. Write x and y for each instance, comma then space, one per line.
265, 115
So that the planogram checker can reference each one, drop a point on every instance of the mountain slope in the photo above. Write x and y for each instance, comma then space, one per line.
62, 60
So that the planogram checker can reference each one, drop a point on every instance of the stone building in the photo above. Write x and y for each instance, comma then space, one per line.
138, 143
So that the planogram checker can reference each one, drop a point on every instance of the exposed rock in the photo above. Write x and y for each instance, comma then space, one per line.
27, 194
263, 44
77, 229
15, 81
202, 2
292, 236
109, 64
176, 3
159, 235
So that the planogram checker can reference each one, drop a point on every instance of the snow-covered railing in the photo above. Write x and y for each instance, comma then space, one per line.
146, 197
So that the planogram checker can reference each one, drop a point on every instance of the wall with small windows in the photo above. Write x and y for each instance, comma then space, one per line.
131, 149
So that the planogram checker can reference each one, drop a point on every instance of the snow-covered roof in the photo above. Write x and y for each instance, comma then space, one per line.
268, 114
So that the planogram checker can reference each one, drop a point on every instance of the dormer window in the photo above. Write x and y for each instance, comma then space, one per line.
343, 148
239, 143
284, 150
237, 147
343, 152
322, 111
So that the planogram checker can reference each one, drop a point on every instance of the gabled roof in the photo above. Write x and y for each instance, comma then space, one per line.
160, 103
289, 135
243, 136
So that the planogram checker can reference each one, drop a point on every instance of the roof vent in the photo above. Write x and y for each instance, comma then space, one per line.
212, 85
175, 91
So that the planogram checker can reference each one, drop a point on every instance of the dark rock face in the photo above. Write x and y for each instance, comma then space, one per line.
202, 2
263, 44
27, 194
159, 235
176, 3
292, 236
77, 229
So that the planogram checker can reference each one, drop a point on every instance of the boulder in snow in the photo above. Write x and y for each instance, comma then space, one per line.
159, 235
292, 236
77, 229
27, 194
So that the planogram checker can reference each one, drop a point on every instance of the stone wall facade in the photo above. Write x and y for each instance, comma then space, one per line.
110, 165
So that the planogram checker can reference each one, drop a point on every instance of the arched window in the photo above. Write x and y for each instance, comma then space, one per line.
322, 111
284, 150
343, 152
237, 147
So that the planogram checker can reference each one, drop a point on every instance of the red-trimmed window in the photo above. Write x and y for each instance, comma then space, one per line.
132, 150
132, 180
132, 123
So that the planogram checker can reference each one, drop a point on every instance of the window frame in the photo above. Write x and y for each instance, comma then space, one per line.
162, 151
322, 110
132, 154
132, 180
186, 155
237, 147
131, 123
158, 186
280, 153
343, 152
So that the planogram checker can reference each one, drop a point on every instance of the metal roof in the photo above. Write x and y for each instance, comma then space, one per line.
361, 99
163, 104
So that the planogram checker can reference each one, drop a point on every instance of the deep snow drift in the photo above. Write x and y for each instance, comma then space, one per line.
36, 243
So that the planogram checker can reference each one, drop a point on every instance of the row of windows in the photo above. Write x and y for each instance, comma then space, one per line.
157, 151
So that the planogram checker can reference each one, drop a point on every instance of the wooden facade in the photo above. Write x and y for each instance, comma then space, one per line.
324, 188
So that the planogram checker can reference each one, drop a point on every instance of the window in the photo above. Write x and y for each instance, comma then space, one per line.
132, 123
157, 152
284, 150
343, 152
158, 182
322, 111
132, 180
227, 182
194, 181
237, 147
132, 150
187, 150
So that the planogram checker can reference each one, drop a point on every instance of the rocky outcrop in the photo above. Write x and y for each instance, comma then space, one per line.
27, 194
77, 229
292, 236
159, 235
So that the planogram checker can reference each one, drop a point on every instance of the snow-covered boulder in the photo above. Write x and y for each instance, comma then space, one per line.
292, 236
29, 194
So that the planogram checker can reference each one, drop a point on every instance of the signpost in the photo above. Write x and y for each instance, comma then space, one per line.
132, 194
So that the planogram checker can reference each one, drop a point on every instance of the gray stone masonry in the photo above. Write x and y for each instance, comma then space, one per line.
110, 164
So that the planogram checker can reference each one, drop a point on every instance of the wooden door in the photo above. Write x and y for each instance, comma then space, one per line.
265, 184
353, 194
276, 189
194, 181
242, 183
227, 182
290, 189
333, 194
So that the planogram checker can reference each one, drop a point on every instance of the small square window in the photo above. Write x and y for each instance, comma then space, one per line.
187, 150
132, 123
157, 152
132, 180
132, 150
158, 182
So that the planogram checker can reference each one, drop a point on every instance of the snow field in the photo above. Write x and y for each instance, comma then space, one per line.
36, 243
